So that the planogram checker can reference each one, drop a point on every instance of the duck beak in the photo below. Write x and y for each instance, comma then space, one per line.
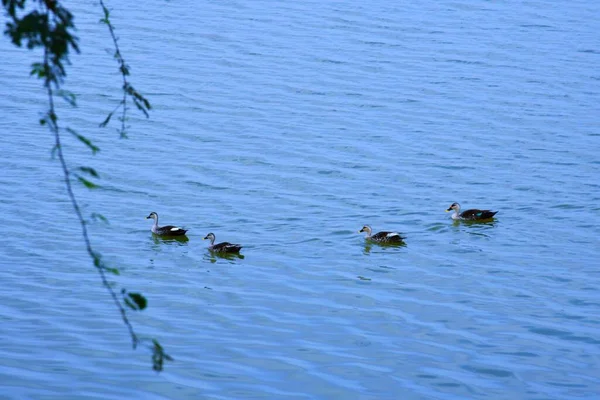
148, 217
450, 209
204, 238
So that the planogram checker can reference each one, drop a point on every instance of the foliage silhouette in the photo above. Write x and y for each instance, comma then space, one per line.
48, 26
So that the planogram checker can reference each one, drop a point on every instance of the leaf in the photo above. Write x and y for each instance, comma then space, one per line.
96, 216
106, 14
135, 301
112, 270
106, 121
84, 140
159, 356
140, 107
86, 183
69, 97
140, 101
38, 69
97, 259
90, 171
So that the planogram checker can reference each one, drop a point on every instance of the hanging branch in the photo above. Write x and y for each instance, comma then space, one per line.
128, 90
50, 27
52, 121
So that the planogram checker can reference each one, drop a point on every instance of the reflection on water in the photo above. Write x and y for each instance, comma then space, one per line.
285, 140
369, 245
476, 228
177, 240
213, 257
487, 222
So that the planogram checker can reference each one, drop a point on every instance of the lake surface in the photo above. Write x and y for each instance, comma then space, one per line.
285, 127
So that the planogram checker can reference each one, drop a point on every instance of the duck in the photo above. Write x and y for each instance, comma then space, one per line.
382, 237
473, 214
223, 247
168, 230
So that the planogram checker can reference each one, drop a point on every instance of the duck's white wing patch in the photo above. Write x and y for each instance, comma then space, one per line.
392, 234
175, 228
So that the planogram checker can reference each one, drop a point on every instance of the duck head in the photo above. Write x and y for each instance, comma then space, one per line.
366, 229
453, 206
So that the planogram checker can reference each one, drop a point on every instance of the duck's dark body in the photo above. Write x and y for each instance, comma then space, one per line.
170, 230
226, 247
387, 237
472, 214
223, 247
476, 215
382, 237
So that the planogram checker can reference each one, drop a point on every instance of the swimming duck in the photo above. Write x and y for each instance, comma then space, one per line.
470, 215
382, 237
224, 247
168, 230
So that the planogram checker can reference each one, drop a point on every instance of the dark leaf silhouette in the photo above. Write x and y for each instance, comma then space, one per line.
84, 140
135, 301
86, 183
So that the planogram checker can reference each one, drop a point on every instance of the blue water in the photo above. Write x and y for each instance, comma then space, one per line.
286, 128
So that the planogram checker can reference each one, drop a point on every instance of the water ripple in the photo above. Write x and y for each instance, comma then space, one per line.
286, 127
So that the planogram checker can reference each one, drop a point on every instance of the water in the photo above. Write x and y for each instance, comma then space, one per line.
286, 127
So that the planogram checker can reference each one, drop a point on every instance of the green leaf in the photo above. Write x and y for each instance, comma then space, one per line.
135, 301
86, 183
38, 69
106, 121
84, 140
140, 107
69, 97
96, 217
140, 101
159, 356
89, 170
106, 13
97, 259
112, 270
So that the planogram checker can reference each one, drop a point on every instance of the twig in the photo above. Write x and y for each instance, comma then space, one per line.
52, 122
